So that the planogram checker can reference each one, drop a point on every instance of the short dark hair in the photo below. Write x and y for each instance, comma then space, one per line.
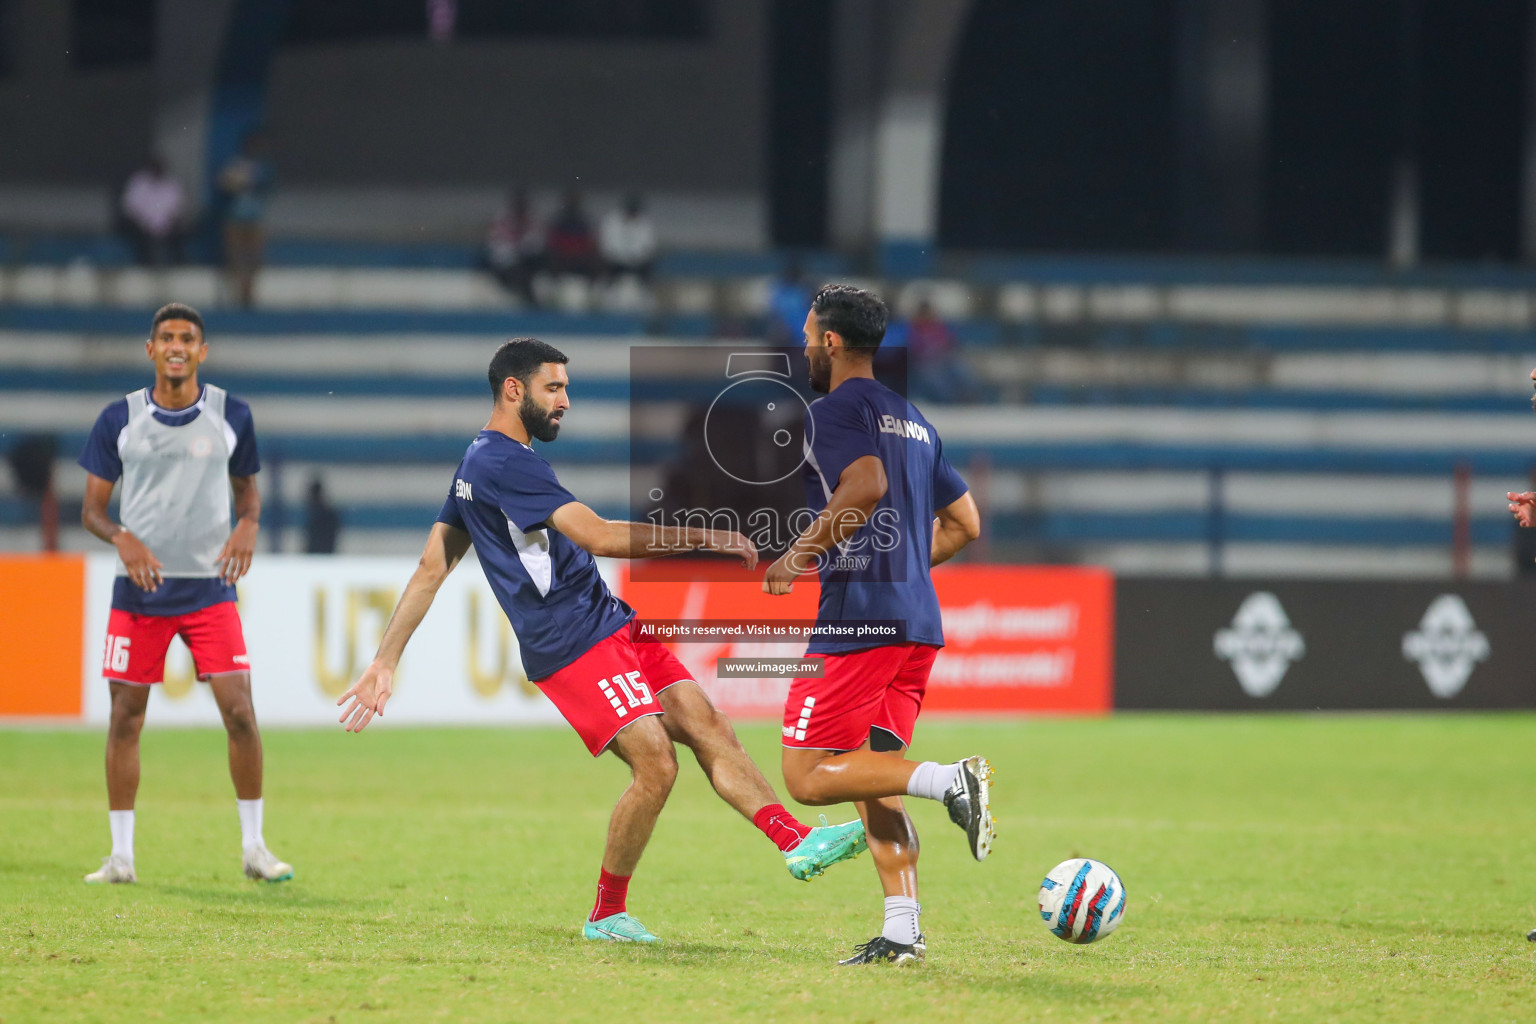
859, 316
519, 358
177, 311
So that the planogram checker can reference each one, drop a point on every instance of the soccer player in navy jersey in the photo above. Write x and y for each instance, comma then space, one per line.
889, 506
181, 448
536, 544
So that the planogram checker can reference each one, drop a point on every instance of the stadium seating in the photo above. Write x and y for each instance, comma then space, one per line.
1152, 412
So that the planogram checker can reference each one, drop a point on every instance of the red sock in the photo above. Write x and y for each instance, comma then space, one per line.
780, 826
612, 891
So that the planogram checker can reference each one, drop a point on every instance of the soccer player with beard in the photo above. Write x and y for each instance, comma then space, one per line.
181, 450
889, 507
536, 544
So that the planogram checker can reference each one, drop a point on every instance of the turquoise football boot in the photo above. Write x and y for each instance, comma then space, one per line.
617, 928
825, 846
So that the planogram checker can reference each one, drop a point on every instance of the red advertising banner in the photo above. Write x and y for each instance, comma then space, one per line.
719, 600
1024, 639
1019, 639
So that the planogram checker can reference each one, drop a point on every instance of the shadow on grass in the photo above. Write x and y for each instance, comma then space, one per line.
946, 973
259, 895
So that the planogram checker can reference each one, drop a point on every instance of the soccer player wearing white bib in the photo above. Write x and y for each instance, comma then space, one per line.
181, 449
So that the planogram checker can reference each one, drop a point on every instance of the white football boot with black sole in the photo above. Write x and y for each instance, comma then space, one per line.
969, 803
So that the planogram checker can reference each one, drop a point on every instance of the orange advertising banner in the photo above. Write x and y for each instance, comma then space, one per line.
42, 621
1019, 639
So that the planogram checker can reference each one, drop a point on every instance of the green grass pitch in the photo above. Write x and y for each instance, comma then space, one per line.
1301, 868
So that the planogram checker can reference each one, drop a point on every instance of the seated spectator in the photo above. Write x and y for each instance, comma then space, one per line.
570, 245
514, 246
245, 182
935, 370
153, 205
627, 240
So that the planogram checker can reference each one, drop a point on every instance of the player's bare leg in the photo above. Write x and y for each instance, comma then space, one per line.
645, 746
894, 848
127, 721
819, 777
892, 843
693, 720
128, 705
892, 837
232, 693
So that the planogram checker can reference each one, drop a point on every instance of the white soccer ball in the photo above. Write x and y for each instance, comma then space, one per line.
1082, 900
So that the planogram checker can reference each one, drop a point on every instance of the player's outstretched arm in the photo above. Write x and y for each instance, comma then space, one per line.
445, 547
955, 526
142, 565
241, 546
1522, 505
859, 489
618, 538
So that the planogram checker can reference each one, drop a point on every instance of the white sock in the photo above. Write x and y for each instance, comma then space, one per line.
250, 823
121, 823
901, 919
931, 779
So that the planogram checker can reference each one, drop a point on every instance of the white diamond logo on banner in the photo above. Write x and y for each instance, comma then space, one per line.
1260, 644
1447, 645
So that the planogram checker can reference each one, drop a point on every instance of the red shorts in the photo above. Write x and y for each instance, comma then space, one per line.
611, 685
136, 644
880, 688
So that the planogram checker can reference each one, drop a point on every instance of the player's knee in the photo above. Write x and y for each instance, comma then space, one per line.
805, 788
651, 756
705, 727
240, 720
657, 772
126, 723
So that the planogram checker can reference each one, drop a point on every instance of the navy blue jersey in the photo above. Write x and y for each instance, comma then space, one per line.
502, 496
103, 456
881, 571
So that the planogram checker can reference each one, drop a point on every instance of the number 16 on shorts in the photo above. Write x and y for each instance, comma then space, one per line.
631, 686
116, 657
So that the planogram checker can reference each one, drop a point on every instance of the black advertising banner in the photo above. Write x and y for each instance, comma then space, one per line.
1252, 645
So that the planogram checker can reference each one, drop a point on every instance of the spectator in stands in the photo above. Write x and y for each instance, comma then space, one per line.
627, 240
245, 182
514, 246
788, 299
935, 370
322, 523
153, 208
570, 245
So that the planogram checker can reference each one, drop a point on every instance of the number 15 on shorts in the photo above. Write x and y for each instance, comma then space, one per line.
631, 686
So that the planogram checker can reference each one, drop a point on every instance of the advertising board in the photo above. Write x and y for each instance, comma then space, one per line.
1253, 645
